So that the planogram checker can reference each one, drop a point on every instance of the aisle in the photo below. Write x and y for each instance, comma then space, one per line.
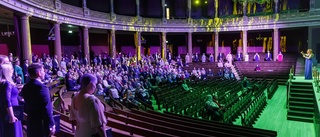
274, 117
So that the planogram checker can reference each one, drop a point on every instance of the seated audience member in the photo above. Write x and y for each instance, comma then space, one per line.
196, 58
114, 92
280, 56
238, 57
229, 58
212, 108
186, 87
71, 83
220, 64
203, 74
203, 58
268, 56
129, 96
220, 73
246, 83
257, 68
220, 57
211, 58
187, 58
256, 57
246, 57
210, 73
143, 96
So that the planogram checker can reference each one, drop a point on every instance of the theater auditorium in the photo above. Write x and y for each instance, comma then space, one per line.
157, 68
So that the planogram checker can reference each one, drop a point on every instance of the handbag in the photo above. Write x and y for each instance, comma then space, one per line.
56, 119
17, 111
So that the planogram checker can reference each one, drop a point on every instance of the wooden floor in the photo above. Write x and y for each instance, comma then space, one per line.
274, 117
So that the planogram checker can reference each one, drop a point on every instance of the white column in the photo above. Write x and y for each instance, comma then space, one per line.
276, 42
86, 48
216, 46
26, 38
163, 44
189, 9
312, 5
244, 42
138, 7
164, 19
112, 15
190, 45
244, 9
86, 11
113, 44
137, 41
216, 7
276, 3
57, 41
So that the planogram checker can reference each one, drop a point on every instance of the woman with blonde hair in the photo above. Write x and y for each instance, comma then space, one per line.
87, 110
308, 64
8, 99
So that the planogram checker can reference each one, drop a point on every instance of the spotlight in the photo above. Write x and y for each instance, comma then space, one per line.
70, 31
205, 2
197, 2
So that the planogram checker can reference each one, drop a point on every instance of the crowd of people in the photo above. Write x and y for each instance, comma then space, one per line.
123, 78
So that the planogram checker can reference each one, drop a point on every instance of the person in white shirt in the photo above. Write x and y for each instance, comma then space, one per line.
114, 92
187, 58
203, 58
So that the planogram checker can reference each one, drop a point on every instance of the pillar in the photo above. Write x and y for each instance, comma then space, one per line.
276, 8
138, 7
276, 42
189, 9
26, 38
137, 41
86, 48
216, 46
244, 42
163, 3
163, 44
190, 45
244, 7
112, 15
113, 50
57, 41
86, 11
312, 5
216, 7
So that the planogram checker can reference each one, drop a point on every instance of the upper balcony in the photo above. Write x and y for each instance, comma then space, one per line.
55, 10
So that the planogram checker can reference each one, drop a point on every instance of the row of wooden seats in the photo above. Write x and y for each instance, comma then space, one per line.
252, 112
185, 101
170, 128
272, 88
183, 126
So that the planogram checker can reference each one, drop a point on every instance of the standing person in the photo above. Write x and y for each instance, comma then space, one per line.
18, 70
308, 64
40, 121
25, 70
8, 99
87, 110
4, 59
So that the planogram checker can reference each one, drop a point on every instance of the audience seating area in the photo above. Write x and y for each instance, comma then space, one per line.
269, 69
183, 110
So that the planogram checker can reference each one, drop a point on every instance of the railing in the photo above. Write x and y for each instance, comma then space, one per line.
316, 77
289, 83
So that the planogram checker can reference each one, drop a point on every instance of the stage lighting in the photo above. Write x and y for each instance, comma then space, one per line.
205, 2
197, 2
69, 31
